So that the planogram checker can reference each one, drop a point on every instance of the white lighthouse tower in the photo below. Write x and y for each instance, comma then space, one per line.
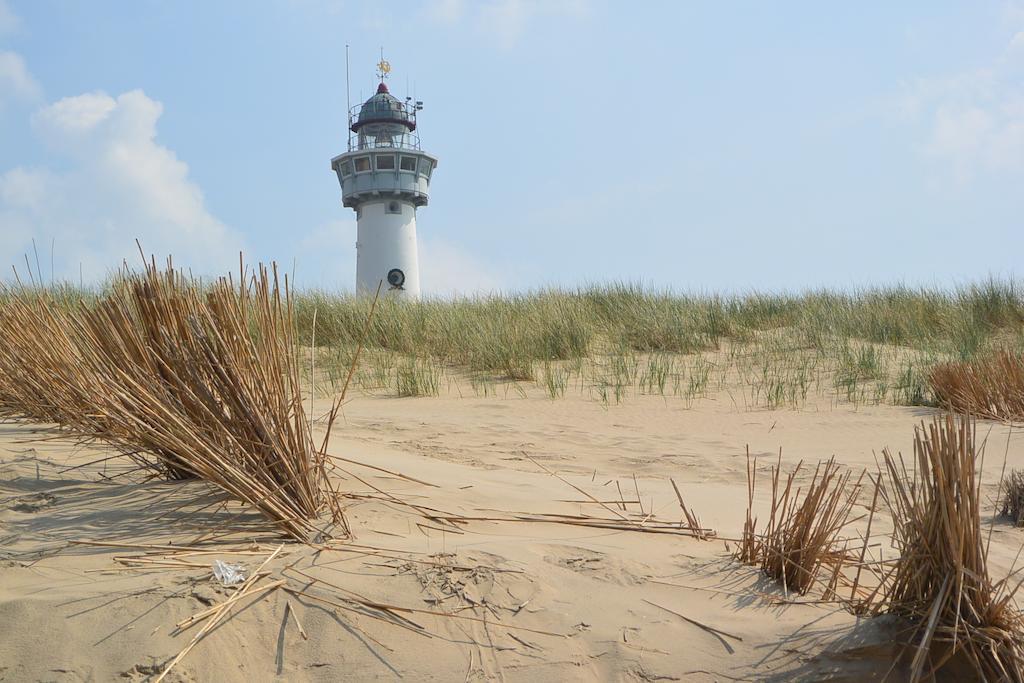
385, 177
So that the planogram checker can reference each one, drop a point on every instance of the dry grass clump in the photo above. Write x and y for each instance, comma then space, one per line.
941, 580
991, 386
39, 360
1012, 500
802, 535
188, 380
962, 620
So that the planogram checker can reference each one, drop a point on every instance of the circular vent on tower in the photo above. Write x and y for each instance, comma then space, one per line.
396, 278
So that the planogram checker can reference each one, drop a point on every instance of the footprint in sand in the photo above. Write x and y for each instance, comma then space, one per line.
595, 565
33, 503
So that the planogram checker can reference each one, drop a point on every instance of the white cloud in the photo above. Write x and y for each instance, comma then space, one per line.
447, 11
9, 21
25, 189
1016, 46
120, 185
326, 256
331, 7
974, 119
1013, 14
16, 83
446, 269
970, 136
75, 117
503, 21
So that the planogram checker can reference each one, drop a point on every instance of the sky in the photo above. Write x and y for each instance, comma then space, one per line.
691, 146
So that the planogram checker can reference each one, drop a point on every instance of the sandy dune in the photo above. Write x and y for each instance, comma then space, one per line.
533, 601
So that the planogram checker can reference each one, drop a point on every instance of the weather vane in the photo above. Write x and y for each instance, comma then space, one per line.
383, 66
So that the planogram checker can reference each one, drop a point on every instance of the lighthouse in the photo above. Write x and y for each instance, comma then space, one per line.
385, 178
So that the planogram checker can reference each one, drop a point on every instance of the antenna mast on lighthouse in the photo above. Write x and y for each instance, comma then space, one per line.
348, 89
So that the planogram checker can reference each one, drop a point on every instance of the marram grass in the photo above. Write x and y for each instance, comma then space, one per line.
615, 341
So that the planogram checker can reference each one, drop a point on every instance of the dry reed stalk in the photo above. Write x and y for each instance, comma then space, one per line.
39, 358
802, 534
646, 527
692, 521
718, 633
222, 610
989, 387
622, 522
362, 340
295, 617
191, 380
941, 580
854, 601
747, 552
1012, 499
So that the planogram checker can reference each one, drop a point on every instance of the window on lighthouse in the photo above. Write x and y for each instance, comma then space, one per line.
425, 167
394, 207
362, 164
385, 162
408, 164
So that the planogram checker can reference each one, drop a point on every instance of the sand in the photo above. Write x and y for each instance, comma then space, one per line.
589, 604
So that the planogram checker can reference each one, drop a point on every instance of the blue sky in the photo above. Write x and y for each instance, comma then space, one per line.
685, 145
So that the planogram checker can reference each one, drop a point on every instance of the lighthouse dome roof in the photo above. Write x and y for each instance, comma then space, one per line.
384, 108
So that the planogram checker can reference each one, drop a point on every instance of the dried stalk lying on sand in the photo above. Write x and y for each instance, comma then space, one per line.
645, 524
989, 387
190, 380
941, 580
802, 535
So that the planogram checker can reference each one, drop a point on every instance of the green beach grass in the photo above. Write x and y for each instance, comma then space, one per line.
612, 342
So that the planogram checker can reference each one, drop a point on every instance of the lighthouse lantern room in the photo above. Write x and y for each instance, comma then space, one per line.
385, 178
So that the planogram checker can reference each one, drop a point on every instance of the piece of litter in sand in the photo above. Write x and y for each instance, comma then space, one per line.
228, 574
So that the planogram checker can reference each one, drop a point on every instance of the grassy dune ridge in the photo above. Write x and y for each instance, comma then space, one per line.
614, 341
872, 345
